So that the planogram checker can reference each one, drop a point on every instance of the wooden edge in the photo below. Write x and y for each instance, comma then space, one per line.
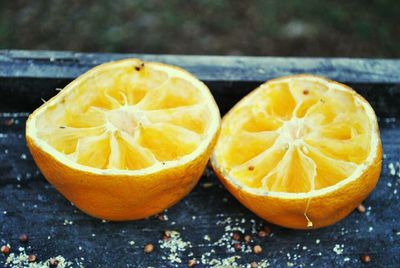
68, 65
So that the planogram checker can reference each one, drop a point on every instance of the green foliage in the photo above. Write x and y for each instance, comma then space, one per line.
253, 27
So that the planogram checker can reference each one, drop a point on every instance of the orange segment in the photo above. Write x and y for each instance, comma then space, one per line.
329, 171
65, 139
127, 139
168, 141
279, 101
166, 96
256, 169
127, 154
92, 117
93, 151
189, 117
256, 143
294, 173
311, 138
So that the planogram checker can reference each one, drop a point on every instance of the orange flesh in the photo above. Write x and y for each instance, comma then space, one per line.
294, 137
127, 118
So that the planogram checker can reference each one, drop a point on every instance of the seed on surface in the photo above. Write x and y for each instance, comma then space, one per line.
161, 217
253, 264
305, 91
267, 230
361, 208
5, 249
251, 168
236, 236
9, 122
247, 238
207, 184
23, 238
32, 258
262, 233
167, 234
365, 258
257, 249
53, 262
192, 263
237, 246
148, 248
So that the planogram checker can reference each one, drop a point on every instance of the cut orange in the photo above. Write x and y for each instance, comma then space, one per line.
300, 151
127, 139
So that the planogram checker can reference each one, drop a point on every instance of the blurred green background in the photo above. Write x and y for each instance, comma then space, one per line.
254, 27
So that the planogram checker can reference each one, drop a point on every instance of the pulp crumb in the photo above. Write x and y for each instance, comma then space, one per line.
263, 263
207, 184
67, 222
392, 170
317, 241
176, 249
370, 229
338, 249
21, 261
175, 245
346, 259
131, 242
220, 263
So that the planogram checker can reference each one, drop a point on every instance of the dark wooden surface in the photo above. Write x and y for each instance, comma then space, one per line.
67, 65
28, 204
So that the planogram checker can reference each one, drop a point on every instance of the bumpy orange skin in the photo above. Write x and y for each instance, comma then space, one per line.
323, 210
121, 197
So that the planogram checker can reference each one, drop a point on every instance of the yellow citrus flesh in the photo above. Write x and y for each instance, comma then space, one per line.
126, 139
300, 151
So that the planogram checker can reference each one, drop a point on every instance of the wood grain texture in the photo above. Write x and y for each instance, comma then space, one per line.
55, 227
68, 65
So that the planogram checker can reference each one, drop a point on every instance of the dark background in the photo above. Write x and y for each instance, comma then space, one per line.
255, 27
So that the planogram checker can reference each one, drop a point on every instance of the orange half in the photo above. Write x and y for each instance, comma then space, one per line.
127, 139
300, 151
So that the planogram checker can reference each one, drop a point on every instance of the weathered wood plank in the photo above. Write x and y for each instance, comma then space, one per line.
68, 65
